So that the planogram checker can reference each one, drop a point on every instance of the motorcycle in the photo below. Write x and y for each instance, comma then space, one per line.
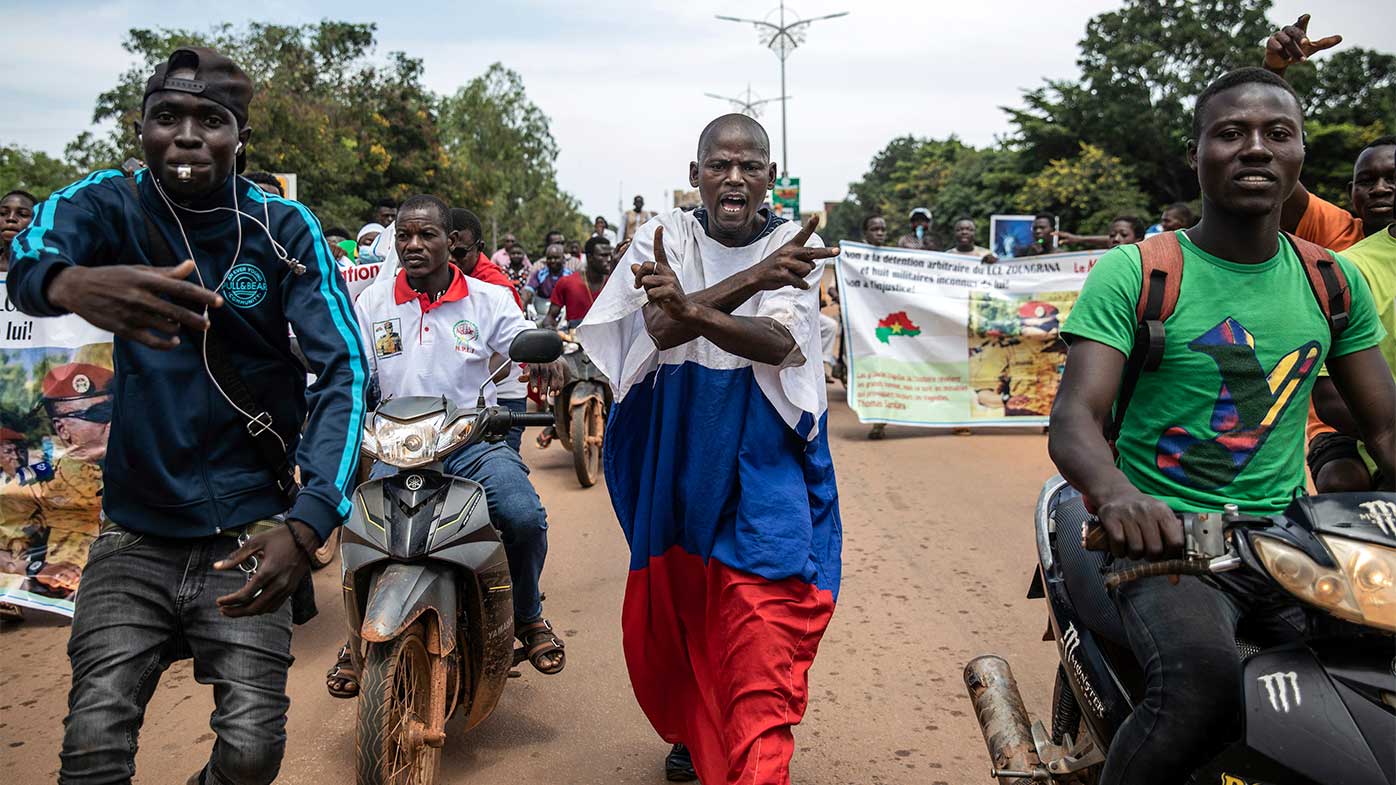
580, 410
426, 585
1321, 711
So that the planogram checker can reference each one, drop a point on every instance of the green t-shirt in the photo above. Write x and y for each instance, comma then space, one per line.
1376, 258
1222, 419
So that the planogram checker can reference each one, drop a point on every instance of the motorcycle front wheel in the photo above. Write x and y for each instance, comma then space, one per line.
588, 426
397, 710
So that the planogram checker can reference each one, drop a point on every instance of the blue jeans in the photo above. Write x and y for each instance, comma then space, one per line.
517, 406
145, 603
515, 510
1184, 638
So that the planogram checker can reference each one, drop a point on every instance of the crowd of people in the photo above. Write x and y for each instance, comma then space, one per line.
718, 459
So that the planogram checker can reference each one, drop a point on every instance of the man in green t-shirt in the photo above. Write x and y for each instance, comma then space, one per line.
1220, 421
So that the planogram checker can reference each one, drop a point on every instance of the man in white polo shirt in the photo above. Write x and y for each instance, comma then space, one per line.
431, 331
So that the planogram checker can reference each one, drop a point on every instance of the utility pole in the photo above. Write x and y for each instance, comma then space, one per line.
749, 106
782, 37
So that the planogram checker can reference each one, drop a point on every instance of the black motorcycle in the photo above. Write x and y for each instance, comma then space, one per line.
1318, 713
580, 410
427, 592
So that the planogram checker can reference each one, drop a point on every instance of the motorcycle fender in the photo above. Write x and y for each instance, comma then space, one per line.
1296, 714
401, 593
585, 391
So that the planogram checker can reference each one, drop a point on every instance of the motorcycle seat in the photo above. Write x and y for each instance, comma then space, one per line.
1081, 569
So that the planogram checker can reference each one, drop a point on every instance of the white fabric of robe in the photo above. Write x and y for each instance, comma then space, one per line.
615, 337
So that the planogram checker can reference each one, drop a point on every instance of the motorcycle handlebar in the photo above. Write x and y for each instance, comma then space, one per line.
531, 419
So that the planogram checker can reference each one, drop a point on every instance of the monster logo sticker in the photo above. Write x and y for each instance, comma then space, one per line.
1248, 405
1279, 687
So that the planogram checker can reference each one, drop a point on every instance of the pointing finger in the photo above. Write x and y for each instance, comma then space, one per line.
804, 235
661, 259
1325, 43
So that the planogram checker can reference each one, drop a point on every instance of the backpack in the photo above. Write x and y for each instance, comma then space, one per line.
1161, 259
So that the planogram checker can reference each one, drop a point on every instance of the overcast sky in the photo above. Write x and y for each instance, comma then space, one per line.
623, 82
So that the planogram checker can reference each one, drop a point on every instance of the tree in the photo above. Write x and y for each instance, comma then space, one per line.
950, 178
1141, 68
502, 153
33, 171
353, 131
1085, 192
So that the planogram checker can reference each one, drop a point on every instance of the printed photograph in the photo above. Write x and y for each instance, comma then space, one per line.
1016, 352
55, 416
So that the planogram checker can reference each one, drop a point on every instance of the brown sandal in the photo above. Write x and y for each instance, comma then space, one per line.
344, 673
538, 643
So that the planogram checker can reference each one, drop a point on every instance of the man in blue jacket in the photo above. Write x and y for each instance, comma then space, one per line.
200, 549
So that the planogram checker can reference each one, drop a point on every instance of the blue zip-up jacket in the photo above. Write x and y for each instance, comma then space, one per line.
179, 462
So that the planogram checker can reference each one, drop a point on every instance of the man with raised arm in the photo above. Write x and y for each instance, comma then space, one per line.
718, 462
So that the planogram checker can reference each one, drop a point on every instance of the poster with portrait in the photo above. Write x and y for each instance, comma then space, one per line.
55, 416
940, 340
1010, 234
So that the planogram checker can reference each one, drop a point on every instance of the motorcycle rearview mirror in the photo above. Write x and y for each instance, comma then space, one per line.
536, 346
499, 373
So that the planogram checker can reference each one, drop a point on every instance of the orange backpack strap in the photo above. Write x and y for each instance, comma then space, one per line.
1326, 279
1161, 262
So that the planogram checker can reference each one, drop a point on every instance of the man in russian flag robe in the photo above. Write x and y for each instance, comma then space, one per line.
718, 462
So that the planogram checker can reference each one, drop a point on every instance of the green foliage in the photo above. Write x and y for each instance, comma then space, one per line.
1141, 68
949, 177
33, 171
1085, 192
502, 153
353, 129
1113, 140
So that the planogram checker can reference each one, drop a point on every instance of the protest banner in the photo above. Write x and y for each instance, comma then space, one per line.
942, 340
55, 415
358, 276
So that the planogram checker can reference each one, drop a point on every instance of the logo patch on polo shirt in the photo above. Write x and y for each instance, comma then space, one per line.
387, 338
466, 334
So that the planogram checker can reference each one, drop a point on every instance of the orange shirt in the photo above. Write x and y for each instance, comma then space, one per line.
1329, 225
1332, 227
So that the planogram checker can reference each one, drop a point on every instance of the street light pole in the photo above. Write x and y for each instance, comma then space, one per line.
750, 105
782, 39
784, 138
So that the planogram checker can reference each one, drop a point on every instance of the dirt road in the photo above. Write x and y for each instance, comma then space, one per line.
937, 551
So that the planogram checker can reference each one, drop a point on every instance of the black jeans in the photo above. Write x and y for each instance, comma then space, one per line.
1184, 638
146, 602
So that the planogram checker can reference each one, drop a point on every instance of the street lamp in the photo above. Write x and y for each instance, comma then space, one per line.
749, 106
782, 37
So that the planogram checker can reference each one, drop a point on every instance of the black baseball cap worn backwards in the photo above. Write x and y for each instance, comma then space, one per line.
216, 77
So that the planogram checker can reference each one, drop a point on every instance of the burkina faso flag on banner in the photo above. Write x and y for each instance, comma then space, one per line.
897, 324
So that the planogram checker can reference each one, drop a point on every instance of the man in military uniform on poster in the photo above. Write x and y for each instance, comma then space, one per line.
77, 399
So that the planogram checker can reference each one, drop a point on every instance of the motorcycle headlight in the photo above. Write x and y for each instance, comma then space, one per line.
454, 435
1361, 589
406, 444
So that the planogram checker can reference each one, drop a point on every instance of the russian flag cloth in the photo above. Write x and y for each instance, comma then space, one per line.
720, 475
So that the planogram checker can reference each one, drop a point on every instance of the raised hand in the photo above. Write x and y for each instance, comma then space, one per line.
147, 305
1291, 44
660, 282
791, 263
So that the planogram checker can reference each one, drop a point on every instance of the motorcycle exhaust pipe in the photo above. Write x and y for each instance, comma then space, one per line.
1003, 719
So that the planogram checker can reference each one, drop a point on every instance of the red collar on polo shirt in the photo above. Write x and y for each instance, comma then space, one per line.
403, 291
